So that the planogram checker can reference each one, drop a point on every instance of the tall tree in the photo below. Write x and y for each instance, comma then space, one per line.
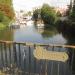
71, 5
72, 14
48, 14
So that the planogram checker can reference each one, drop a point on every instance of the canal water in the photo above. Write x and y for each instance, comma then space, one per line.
34, 34
18, 59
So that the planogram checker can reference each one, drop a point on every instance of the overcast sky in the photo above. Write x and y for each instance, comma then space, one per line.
29, 4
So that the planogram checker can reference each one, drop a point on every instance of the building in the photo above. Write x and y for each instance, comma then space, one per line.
62, 10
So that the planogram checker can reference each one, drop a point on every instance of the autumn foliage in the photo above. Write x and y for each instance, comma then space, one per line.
7, 10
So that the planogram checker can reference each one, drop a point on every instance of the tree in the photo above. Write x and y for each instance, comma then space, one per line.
1, 16
36, 14
6, 2
6, 12
72, 15
29, 13
59, 14
48, 14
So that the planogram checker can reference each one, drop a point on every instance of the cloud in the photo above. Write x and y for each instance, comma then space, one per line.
29, 4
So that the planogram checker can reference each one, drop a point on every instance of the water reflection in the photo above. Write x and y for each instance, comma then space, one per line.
49, 32
6, 34
71, 52
27, 33
68, 33
19, 59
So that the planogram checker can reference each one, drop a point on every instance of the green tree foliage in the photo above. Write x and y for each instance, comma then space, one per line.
36, 14
6, 12
3, 19
1, 16
72, 14
59, 14
7, 2
29, 13
48, 14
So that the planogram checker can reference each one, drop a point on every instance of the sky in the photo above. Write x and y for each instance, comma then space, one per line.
28, 5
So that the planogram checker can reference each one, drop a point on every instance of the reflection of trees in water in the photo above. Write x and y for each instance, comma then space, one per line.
72, 59
49, 32
6, 34
66, 28
68, 32
71, 52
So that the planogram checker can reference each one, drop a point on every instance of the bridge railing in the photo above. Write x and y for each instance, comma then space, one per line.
18, 56
37, 44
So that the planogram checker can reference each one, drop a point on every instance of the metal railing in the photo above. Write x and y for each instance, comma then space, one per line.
37, 44
17, 57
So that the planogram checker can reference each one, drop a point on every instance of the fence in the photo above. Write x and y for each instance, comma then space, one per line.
17, 58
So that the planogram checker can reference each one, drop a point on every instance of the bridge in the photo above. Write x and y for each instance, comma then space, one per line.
20, 58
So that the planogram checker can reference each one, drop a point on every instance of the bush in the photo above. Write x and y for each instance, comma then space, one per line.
4, 19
